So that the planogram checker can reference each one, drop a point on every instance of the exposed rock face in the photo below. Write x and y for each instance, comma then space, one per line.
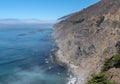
87, 37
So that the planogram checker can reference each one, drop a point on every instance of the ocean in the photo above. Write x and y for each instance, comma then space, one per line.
25, 57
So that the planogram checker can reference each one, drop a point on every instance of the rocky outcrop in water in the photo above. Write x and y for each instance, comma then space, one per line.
87, 37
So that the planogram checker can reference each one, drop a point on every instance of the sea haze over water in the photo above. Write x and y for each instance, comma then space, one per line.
25, 56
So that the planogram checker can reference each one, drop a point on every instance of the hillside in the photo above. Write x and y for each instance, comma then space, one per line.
87, 38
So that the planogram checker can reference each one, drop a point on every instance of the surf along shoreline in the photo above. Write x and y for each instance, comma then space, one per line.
58, 58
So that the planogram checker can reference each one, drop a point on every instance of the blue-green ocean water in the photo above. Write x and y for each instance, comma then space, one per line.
25, 57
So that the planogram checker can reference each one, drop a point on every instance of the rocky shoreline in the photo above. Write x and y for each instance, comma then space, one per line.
56, 57
73, 70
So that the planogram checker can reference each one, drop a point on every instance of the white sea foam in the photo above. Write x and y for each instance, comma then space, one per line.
72, 80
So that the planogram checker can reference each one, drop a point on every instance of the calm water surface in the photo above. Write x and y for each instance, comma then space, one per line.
25, 57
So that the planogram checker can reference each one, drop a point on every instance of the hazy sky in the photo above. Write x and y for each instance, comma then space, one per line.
41, 9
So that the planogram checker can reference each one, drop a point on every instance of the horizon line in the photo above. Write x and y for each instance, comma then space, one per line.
26, 21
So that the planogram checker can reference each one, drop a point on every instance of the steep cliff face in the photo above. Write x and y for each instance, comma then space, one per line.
87, 37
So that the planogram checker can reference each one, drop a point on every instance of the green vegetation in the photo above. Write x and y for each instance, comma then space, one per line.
109, 63
99, 21
117, 61
78, 21
100, 78
113, 61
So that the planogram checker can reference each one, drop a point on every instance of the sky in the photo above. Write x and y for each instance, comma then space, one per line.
41, 9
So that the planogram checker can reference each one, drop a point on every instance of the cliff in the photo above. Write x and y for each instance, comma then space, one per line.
87, 37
